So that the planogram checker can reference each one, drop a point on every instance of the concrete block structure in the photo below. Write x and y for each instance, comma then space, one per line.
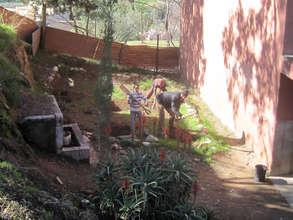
41, 122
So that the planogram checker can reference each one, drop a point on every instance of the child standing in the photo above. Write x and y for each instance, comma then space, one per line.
134, 100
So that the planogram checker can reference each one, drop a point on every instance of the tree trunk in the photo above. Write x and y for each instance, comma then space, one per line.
44, 23
87, 24
141, 26
167, 24
73, 18
95, 27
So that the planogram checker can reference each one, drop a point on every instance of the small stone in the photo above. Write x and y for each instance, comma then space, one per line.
67, 203
124, 137
112, 139
151, 138
146, 144
55, 69
116, 146
85, 203
213, 148
85, 139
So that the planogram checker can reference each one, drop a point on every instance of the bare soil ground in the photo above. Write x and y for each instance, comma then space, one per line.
227, 184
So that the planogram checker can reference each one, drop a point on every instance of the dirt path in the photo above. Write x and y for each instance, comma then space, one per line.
228, 187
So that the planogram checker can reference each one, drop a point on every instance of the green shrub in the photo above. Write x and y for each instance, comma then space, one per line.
9, 81
117, 93
147, 184
7, 36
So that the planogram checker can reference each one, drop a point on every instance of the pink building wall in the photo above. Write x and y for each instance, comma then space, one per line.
231, 51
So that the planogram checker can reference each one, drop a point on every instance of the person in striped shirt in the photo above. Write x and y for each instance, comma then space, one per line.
134, 100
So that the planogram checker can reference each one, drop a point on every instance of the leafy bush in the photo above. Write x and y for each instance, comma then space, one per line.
9, 81
147, 184
7, 36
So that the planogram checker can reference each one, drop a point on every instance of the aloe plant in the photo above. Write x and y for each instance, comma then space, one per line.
149, 183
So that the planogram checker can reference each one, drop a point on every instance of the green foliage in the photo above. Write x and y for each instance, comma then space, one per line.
9, 77
49, 216
9, 81
10, 181
191, 213
11, 209
117, 93
8, 128
124, 29
127, 28
7, 36
149, 183
208, 145
146, 84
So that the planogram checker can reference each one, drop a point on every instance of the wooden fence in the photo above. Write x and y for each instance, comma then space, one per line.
90, 47
136, 56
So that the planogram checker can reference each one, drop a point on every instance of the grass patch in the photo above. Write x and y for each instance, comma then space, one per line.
208, 145
117, 93
145, 85
13, 209
9, 81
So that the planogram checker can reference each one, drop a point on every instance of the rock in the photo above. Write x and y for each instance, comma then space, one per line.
151, 138
124, 137
46, 199
200, 126
87, 215
50, 202
112, 140
86, 139
123, 152
204, 143
67, 204
82, 69
146, 144
146, 132
85, 203
70, 82
116, 146
55, 69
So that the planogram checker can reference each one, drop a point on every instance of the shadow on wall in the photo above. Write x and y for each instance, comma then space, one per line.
251, 41
192, 31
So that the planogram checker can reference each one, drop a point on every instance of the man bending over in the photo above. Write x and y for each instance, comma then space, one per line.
171, 102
